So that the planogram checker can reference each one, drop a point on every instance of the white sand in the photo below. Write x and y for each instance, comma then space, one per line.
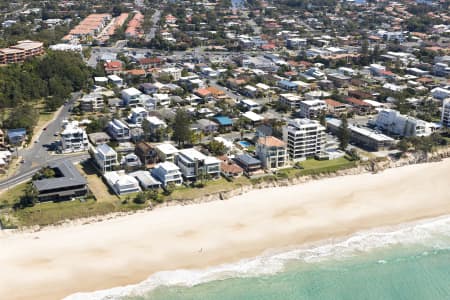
57, 262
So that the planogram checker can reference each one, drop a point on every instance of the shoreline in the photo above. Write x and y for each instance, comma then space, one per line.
272, 261
126, 250
373, 167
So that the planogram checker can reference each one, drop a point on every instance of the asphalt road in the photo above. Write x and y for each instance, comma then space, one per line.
38, 155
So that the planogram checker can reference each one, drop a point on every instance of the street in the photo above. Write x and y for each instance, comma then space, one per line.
37, 155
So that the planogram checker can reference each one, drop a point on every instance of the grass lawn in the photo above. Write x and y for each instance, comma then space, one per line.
313, 166
213, 186
10, 196
100, 190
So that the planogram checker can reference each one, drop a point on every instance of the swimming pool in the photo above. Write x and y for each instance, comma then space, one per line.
244, 144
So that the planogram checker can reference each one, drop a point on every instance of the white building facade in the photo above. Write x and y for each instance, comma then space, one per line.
193, 164
73, 138
393, 122
304, 138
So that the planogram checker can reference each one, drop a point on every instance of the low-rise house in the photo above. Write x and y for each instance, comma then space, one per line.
148, 88
339, 80
271, 152
359, 106
130, 162
229, 168
253, 117
121, 183
167, 173
288, 85
154, 124
248, 163
137, 115
250, 104
68, 183
146, 153
311, 109
105, 157
16, 136
166, 152
336, 108
207, 126
194, 164
92, 102
146, 180
131, 96
290, 100
73, 138
98, 138
113, 67
116, 80
118, 130
225, 123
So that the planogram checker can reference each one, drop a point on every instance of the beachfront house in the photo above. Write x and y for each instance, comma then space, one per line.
166, 152
105, 157
194, 164
167, 173
121, 183
271, 152
248, 163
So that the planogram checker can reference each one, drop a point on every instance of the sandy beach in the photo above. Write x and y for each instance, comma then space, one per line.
59, 261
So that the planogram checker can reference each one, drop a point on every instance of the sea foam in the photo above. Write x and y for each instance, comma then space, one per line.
433, 233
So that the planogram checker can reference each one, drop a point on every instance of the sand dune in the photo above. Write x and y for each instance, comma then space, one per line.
57, 262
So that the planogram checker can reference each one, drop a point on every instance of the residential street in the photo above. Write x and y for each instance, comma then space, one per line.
37, 155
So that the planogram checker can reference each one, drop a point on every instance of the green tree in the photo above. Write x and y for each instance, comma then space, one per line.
182, 133
343, 133
217, 148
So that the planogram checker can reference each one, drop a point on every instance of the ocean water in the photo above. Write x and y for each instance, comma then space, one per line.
410, 262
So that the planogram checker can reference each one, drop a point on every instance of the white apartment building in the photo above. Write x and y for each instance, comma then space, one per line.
73, 138
393, 122
271, 152
118, 130
304, 138
446, 113
167, 172
312, 108
105, 157
193, 164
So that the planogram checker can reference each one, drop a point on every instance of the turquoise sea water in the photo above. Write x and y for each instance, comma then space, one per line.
411, 263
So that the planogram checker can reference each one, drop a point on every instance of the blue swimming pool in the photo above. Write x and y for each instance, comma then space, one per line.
244, 144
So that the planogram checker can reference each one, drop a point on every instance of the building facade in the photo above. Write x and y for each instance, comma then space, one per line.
73, 138
105, 157
167, 173
446, 113
272, 152
394, 123
304, 138
193, 164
